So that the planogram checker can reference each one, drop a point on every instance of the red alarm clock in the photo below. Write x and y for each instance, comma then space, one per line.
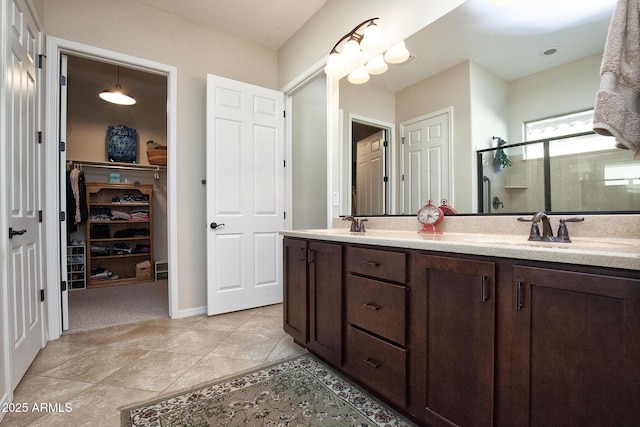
429, 216
446, 209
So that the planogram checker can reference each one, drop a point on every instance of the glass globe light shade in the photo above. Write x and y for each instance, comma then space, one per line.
371, 39
397, 54
335, 65
358, 76
376, 65
352, 52
117, 96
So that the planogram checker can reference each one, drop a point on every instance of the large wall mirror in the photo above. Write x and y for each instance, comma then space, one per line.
484, 70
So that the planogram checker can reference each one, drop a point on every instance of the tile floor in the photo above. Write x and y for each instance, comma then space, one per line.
95, 373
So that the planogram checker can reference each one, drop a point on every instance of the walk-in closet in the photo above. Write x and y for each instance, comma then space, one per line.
115, 174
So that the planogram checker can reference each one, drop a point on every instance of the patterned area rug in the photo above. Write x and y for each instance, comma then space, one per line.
296, 392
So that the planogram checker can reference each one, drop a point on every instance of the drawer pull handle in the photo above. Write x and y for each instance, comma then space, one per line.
372, 363
372, 264
372, 306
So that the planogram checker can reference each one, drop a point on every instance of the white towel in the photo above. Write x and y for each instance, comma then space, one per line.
617, 107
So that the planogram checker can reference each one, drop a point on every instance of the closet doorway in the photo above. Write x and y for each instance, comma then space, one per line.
371, 143
120, 276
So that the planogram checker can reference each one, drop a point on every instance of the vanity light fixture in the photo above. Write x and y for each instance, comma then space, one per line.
362, 46
117, 95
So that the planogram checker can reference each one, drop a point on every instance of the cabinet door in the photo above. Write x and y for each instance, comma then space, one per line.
325, 301
576, 349
295, 289
452, 323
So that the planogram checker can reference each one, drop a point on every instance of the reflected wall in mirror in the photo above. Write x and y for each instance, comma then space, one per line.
489, 68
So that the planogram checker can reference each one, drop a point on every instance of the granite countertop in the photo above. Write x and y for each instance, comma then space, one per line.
604, 252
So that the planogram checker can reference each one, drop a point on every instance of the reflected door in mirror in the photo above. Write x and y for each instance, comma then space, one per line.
425, 155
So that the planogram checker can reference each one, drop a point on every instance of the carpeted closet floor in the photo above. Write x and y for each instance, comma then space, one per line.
117, 305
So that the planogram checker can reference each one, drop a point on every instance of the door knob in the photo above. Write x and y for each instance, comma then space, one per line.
215, 225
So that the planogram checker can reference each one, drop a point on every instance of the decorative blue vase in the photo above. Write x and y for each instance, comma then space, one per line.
122, 144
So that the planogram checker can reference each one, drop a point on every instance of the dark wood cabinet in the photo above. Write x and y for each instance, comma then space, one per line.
463, 340
452, 317
295, 292
576, 349
325, 300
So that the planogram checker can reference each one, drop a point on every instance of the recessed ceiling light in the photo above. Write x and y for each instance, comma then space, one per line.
550, 51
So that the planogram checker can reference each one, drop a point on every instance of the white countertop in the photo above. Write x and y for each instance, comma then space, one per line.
602, 252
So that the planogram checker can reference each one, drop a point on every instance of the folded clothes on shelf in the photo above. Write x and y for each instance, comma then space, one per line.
122, 248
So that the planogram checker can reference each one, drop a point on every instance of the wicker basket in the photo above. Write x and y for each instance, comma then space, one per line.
157, 157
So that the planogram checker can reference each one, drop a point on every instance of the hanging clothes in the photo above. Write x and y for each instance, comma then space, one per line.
77, 211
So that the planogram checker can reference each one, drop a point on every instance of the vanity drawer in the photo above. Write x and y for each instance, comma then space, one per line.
378, 364
377, 263
378, 307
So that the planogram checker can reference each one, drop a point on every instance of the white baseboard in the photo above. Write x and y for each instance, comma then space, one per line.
189, 312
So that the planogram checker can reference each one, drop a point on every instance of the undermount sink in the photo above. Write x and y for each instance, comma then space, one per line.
576, 243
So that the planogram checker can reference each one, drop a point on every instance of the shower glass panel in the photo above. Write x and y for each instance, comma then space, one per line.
575, 173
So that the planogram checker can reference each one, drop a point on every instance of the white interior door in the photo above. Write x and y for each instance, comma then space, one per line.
23, 189
245, 192
370, 175
425, 161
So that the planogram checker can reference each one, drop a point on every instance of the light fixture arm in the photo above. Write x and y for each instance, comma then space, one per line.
353, 33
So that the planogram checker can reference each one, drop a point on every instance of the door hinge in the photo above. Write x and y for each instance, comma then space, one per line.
39, 137
63, 216
41, 295
284, 113
385, 179
63, 146
385, 144
402, 177
285, 163
284, 215
402, 140
63, 80
41, 58
39, 216
63, 286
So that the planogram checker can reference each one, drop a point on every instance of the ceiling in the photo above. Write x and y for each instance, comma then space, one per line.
269, 23
506, 37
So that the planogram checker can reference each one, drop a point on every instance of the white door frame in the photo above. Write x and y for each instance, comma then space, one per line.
55, 47
390, 158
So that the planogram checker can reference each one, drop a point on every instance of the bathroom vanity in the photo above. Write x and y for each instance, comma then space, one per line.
473, 329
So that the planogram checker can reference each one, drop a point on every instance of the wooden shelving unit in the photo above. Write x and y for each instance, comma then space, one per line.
119, 234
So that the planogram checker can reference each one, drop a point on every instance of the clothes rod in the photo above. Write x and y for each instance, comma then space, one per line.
115, 165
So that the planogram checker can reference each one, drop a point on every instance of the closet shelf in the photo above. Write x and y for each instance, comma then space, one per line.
115, 165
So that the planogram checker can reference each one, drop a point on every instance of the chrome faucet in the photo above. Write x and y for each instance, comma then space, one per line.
547, 233
356, 226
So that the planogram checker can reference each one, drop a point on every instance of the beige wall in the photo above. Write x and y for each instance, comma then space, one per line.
131, 28
566, 89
